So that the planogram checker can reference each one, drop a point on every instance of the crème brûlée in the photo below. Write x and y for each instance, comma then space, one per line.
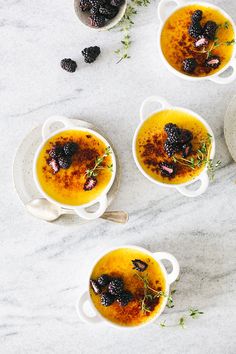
201, 44
67, 178
155, 148
143, 304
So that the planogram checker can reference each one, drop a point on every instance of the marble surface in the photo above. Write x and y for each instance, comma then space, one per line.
43, 265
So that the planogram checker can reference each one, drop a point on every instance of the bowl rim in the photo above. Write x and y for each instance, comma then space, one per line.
179, 73
167, 287
69, 206
110, 24
173, 185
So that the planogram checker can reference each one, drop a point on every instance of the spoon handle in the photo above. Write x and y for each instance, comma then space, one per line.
119, 216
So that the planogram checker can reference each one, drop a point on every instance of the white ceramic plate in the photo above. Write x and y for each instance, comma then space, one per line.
23, 169
230, 128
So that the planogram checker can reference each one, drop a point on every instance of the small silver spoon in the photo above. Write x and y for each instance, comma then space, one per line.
43, 209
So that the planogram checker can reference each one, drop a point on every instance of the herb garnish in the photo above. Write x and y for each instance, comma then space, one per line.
93, 172
192, 312
125, 25
201, 159
195, 313
151, 294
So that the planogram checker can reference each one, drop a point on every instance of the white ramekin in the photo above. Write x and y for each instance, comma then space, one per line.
163, 17
98, 318
83, 17
102, 198
181, 187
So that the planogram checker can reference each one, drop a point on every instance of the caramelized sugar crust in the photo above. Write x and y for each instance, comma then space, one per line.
66, 186
177, 44
151, 139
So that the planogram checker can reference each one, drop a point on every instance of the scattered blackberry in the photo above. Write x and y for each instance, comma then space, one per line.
117, 3
201, 42
56, 152
189, 65
115, 287
209, 29
186, 136
70, 148
139, 265
104, 280
64, 162
197, 16
97, 20
95, 286
170, 148
108, 11
85, 5
107, 299
90, 183
167, 169
68, 65
187, 149
213, 61
90, 54
124, 298
195, 30
53, 163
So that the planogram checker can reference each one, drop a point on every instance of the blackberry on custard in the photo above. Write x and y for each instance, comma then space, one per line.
95, 286
124, 298
195, 30
70, 148
170, 148
213, 61
107, 299
197, 16
115, 287
167, 169
64, 162
189, 65
104, 280
209, 29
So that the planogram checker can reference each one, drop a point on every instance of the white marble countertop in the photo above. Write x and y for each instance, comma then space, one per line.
42, 265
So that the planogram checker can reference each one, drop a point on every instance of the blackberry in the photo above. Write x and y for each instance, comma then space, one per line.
115, 287
97, 20
201, 42
104, 280
107, 299
117, 3
139, 265
186, 136
213, 61
64, 162
90, 54
90, 183
68, 65
209, 29
197, 16
70, 148
195, 30
169, 127
95, 286
108, 11
170, 148
53, 163
56, 152
96, 3
187, 149
174, 136
94, 10
85, 5
167, 169
189, 65
124, 298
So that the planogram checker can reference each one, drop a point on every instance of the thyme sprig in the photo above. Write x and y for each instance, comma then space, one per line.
125, 25
202, 158
193, 313
151, 294
93, 172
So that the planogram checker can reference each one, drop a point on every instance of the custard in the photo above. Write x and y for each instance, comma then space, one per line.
150, 145
177, 44
118, 263
67, 185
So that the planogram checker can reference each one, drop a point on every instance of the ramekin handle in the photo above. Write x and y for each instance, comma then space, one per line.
228, 79
204, 182
163, 4
83, 213
171, 277
153, 99
81, 311
54, 119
